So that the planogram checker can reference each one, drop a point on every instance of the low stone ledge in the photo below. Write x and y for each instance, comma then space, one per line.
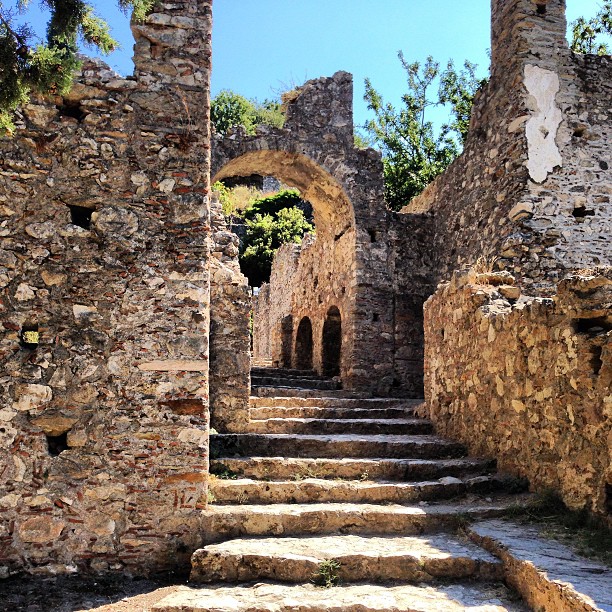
549, 575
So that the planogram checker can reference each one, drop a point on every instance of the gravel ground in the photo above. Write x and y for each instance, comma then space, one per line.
72, 593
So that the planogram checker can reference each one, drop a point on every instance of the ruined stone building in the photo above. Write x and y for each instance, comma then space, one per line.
125, 319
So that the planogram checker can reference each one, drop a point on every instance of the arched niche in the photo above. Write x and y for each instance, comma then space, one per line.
303, 345
332, 343
286, 341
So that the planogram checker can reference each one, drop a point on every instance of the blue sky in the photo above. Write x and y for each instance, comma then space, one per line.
260, 47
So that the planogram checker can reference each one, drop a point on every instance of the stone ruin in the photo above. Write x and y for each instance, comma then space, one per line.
125, 318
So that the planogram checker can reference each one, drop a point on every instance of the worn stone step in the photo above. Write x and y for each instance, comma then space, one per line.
298, 383
266, 597
341, 400
281, 372
287, 468
305, 393
333, 445
315, 490
316, 412
360, 558
221, 522
356, 426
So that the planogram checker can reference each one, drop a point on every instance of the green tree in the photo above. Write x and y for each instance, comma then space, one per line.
48, 68
272, 205
414, 153
229, 109
587, 33
264, 235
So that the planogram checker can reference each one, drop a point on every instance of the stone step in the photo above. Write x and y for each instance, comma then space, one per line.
290, 377
298, 383
359, 559
315, 412
341, 426
314, 490
337, 401
265, 597
333, 445
305, 393
287, 468
284, 372
220, 522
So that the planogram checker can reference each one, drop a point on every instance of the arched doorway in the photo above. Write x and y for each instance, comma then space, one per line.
303, 345
332, 342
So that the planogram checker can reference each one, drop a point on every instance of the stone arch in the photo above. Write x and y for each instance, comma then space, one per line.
346, 262
332, 343
333, 211
304, 345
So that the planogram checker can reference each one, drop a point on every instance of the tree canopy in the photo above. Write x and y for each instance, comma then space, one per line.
28, 66
588, 34
229, 109
264, 235
414, 152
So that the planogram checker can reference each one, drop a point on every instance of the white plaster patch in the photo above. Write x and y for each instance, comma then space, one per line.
541, 129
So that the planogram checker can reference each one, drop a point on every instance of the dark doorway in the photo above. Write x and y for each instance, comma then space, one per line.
332, 342
303, 345
286, 340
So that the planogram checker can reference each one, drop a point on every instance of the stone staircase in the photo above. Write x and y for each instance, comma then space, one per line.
332, 488
276, 380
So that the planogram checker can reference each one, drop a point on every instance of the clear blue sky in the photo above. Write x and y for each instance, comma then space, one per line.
259, 46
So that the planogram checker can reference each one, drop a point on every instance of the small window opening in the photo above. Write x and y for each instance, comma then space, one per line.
580, 212
375, 317
603, 165
30, 337
595, 362
72, 109
372, 235
592, 327
579, 131
541, 8
57, 444
80, 215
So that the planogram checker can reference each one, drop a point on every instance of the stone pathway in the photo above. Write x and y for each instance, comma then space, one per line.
330, 486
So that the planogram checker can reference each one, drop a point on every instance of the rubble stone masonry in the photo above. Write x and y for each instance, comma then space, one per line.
532, 188
527, 380
104, 310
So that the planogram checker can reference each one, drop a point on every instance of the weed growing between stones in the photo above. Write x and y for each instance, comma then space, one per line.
305, 473
585, 533
223, 473
327, 574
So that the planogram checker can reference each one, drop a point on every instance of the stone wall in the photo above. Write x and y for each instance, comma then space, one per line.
527, 380
532, 188
262, 349
230, 310
412, 267
104, 311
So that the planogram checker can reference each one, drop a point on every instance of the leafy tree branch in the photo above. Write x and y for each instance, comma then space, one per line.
29, 67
